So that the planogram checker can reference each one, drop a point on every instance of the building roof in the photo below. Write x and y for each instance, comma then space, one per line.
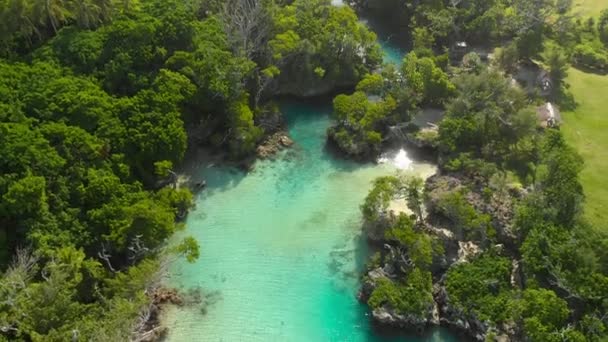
549, 115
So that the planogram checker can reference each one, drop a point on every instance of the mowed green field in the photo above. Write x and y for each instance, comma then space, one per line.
586, 126
590, 7
587, 129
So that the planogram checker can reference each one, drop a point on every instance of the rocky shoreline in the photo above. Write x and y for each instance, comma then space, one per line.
187, 175
273, 143
151, 328
458, 248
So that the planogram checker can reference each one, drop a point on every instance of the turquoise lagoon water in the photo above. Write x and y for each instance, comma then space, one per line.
281, 247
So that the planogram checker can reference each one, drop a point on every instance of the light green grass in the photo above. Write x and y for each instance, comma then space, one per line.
589, 7
587, 129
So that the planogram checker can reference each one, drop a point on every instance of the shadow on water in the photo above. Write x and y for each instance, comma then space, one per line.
386, 29
220, 178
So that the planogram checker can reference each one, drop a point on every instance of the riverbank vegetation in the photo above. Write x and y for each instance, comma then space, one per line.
387, 98
99, 101
583, 126
518, 259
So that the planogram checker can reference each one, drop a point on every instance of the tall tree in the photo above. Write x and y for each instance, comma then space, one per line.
90, 13
16, 22
414, 188
557, 61
50, 12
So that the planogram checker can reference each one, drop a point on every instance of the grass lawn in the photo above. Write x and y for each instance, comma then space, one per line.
589, 7
587, 129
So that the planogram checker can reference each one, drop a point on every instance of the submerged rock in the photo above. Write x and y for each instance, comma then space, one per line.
285, 141
273, 144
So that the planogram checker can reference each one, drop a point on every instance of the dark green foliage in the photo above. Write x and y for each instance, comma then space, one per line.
381, 100
602, 26
558, 179
589, 56
468, 223
507, 58
543, 314
413, 296
489, 118
427, 81
316, 43
568, 260
93, 114
477, 169
482, 288
557, 62
92, 120
360, 123
377, 201
490, 135
419, 246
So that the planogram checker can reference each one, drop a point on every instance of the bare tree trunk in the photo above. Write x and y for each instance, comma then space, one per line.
48, 11
103, 255
247, 25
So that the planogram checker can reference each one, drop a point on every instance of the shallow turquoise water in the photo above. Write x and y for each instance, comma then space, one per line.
393, 45
282, 247
392, 54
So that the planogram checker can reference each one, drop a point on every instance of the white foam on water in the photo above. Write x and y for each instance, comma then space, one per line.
398, 159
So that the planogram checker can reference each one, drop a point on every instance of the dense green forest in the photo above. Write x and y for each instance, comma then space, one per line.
496, 243
98, 102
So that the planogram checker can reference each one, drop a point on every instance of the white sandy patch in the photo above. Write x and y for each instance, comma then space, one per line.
399, 206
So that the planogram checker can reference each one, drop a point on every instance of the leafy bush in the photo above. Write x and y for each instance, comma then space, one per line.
413, 296
468, 223
482, 288
419, 245
585, 55
378, 199
360, 122
427, 80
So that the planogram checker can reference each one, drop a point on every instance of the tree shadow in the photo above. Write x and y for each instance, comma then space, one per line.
565, 99
590, 70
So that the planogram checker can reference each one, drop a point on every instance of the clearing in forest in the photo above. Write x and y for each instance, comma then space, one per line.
585, 128
589, 7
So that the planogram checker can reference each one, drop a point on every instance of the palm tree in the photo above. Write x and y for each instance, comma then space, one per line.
414, 192
53, 12
90, 13
15, 20
86, 13
125, 5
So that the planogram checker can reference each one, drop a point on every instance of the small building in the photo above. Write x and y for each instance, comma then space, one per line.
458, 50
545, 82
534, 79
548, 116
461, 45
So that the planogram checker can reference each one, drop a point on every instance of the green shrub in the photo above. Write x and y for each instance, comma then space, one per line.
413, 296
468, 223
588, 56
482, 288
